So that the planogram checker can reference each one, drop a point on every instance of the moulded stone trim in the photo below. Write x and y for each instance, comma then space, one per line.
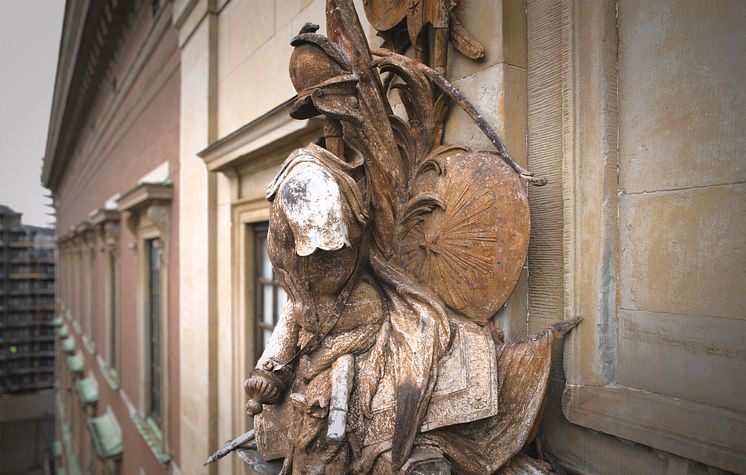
697, 431
274, 128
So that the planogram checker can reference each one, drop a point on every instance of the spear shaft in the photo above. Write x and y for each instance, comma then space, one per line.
230, 446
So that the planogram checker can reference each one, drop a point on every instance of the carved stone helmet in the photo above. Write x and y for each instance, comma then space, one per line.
316, 222
317, 64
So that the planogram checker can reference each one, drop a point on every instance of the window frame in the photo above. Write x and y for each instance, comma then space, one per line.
153, 350
261, 230
148, 208
107, 230
243, 163
145, 234
245, 215
91, 250
112, 308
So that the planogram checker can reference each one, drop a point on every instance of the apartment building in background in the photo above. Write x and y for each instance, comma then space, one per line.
27, 356
170, 118
27, 305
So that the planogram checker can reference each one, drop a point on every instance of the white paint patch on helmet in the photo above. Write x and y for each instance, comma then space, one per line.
313, 205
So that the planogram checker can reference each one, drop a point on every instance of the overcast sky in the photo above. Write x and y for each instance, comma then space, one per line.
29, 43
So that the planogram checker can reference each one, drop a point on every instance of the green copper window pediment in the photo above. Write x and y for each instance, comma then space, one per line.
152, 436
87, 390
63, 332
68, 344
89, 345
61, 408
106, 435
57, 321
57, 448
73, 464
111, 377
75, 363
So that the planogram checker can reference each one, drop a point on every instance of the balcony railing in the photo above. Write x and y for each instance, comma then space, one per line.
27, 354
26, 370
26, 322
26, 338
31, 291
14, 387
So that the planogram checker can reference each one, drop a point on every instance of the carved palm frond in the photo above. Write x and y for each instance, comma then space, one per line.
448, 149
414, 209
404, 140
440, 112
431, 164
434, 161
374, 138
424, 114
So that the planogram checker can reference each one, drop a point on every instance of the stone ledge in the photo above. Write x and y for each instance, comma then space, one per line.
701, 432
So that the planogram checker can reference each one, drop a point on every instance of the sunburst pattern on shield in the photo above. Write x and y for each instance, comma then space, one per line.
472, 249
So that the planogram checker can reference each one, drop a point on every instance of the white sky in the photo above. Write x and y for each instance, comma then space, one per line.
29, 43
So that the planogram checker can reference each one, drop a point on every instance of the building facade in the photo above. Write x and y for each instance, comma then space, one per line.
27, 356
111, 164
27, 307
169, 122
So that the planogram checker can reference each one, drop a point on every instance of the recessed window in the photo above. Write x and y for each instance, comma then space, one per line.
155, 6
270, 297
153, 249
91, 291
112, 310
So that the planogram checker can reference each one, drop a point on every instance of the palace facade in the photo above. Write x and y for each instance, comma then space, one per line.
170, 118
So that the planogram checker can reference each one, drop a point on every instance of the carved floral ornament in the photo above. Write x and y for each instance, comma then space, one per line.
148, 203
396, 251
106, 222
101, 227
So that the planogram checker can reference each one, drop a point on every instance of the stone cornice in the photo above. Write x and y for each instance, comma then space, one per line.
144, 195
97, 219
72, 30
82, 68
102, 216
82, 227
271, 129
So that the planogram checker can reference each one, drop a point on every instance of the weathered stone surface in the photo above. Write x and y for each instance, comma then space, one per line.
694, 358
238, 104
243, 26
253, 48
499, 93
285, 11
500, 26
193, 251
684, 252
681, 94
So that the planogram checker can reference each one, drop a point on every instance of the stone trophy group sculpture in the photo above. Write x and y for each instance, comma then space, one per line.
396, 251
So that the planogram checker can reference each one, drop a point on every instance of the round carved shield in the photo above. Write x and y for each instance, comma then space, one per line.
471, 248
385, 14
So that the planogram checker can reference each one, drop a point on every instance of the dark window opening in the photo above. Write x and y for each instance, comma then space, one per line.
154, 322
270, 297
